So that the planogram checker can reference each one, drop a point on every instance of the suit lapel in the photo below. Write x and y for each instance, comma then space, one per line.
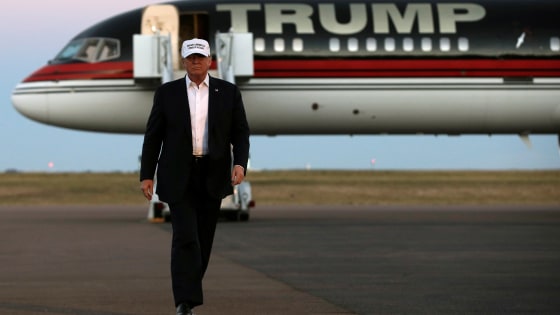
213, 104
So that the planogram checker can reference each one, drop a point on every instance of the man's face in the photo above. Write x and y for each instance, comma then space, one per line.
197, 65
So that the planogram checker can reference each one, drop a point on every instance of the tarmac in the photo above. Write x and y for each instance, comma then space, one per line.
110, 260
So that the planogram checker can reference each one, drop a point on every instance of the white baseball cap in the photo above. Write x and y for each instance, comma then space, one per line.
195, 46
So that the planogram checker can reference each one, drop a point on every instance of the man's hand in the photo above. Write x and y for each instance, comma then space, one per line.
147, 188
237, 175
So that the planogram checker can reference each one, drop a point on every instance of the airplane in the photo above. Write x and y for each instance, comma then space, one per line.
319, 67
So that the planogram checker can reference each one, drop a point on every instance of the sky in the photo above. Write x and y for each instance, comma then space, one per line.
35, 31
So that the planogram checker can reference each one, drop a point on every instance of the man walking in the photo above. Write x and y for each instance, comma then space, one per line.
197, 136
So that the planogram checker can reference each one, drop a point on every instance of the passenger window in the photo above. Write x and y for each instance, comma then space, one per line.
371, 44
297, 44
408, 44
444, 44
278, 44
334, 44
555, 44
390, 44
353, 44
426, 44
463, 44
259, 44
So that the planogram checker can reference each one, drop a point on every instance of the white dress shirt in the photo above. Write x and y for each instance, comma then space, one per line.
198, 106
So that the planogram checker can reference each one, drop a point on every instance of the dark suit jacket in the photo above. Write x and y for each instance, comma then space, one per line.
168, 139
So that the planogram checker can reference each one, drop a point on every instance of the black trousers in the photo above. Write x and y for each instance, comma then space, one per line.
194, 221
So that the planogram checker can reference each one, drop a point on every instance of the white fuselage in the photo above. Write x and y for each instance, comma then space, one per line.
319, 106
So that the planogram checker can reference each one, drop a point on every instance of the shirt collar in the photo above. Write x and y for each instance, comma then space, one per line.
206, 80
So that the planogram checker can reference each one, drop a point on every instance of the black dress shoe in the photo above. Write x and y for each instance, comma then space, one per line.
184, 309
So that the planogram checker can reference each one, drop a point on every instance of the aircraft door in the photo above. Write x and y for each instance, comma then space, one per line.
193, 25
163, 19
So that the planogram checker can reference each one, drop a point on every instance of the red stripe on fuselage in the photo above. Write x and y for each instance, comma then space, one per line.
408, 68
83, 71
332, 68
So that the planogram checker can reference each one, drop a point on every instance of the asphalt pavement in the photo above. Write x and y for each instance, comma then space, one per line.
110, 260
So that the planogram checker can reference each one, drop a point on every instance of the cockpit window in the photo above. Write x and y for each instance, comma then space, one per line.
91, 50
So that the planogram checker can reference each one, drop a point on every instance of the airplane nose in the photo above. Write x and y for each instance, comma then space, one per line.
31, 105
85, 105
